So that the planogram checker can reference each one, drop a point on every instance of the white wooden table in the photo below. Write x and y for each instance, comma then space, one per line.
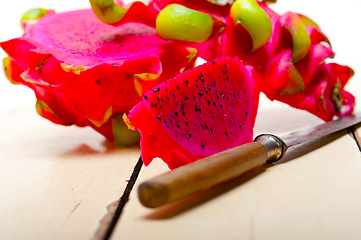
65, 182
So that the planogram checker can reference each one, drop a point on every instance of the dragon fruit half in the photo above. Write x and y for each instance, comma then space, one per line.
87, 73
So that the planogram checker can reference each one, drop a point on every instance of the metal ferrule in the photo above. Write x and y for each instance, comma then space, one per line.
276, 148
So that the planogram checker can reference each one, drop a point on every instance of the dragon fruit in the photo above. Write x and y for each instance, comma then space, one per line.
288, 50
198, 113
87, 73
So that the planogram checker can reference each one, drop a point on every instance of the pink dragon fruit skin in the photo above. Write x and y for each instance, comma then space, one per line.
84, 72
184, 118
288, 53
289, 79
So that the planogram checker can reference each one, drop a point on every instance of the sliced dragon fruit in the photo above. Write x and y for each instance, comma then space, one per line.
85, 72
198, 113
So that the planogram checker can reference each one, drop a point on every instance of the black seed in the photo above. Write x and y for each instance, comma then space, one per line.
211, 130
129, 77
209, 88
206, 127
194, 97
199, 110
160, 106
190, 135
240, 125
213, 62
234, 95
159, 118
155, 90
145, 97
196, 85
227, 78
158, 89
186, 123
175, 113
246, 113
176, 135
226, 133
178, 87
187, 82
212, 117
201, 74
165, 121
173, 93
217, 97
214, 104
183, 113
166, 89
177, 125
223, 96
209, 103
151, 104
98, 81
168, 99
221, 106
158, 99
202, 145
196, 108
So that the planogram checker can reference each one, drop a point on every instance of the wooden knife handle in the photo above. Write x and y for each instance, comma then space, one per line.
202, 174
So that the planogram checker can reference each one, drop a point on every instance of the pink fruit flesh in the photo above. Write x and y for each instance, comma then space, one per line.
198, 113
84, 70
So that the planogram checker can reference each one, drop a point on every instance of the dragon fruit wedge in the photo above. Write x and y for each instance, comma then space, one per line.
87, 73
198, 113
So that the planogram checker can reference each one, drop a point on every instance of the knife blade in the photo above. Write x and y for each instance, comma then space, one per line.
224, 166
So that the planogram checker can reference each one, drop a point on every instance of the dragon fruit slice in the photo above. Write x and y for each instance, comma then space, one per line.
198, 113
87, 73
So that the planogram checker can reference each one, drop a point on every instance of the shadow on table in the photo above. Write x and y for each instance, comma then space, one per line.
187, 204
92, 148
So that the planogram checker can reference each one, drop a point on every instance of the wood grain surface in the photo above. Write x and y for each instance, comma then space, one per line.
66, 183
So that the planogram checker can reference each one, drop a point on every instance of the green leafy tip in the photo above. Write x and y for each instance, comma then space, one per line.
33, 14
107, 11
254, 19
176, 22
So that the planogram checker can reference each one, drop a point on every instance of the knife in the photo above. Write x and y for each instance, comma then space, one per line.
221, 167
